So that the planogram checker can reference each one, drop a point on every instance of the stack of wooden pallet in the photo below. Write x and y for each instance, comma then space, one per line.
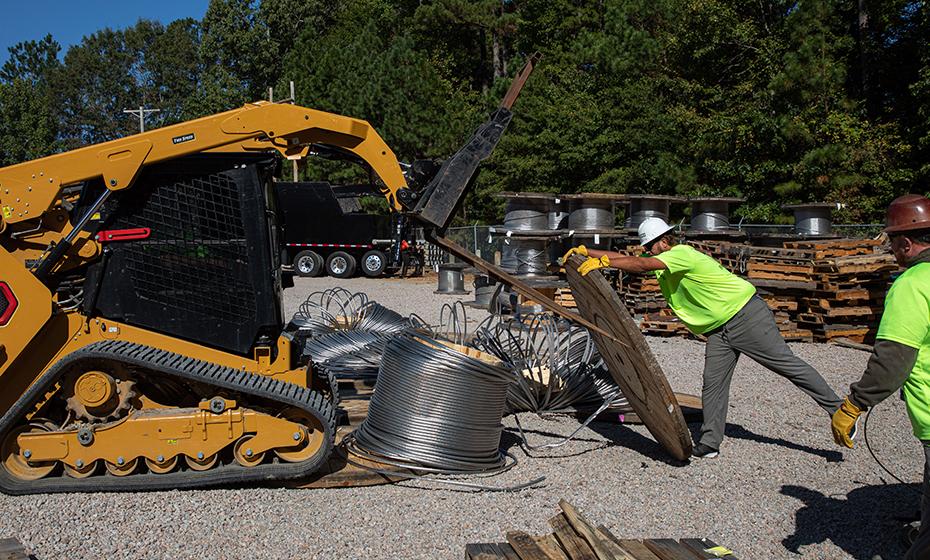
575, 538
641, 294
663, 323
829, 288
564, 297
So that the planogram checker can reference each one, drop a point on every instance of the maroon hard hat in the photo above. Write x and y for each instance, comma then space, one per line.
907, 213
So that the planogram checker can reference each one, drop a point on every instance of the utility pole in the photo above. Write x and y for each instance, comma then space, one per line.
141, 112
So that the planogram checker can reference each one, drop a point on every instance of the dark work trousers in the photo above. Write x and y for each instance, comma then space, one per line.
920, 550
752, 331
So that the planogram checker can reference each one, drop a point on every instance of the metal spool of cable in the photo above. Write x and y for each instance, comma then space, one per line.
438, 408
524, 256
644, 206
711, 214
588, 215
527, 211
813, 219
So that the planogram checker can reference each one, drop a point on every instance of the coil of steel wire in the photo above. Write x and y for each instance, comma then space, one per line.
437, 409
556, 367
329, 310
527, 214
591, 218
525, 257
348, 353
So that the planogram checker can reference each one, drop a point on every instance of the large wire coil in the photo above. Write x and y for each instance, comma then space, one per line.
556, 366
591, 218
437, 408
523, 257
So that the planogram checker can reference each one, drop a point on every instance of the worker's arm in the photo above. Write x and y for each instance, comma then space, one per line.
629, 264
889, 366
903, 329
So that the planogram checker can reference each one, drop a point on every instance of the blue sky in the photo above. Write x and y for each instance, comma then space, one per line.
69, 21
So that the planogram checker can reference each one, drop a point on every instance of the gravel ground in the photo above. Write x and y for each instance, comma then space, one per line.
780, 489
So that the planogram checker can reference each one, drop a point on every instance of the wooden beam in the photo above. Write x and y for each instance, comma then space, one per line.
574, 545
603, 548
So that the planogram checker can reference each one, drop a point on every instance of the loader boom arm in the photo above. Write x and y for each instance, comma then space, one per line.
29, 189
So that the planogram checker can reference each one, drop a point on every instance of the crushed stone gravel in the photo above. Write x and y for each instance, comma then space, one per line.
780, 489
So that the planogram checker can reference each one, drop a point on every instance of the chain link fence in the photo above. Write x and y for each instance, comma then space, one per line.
478, 239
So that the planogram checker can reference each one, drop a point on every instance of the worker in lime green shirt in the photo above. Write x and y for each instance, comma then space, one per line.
713, 302
901, 354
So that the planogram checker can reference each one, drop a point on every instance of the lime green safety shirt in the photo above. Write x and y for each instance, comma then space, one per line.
702, 293
906, 320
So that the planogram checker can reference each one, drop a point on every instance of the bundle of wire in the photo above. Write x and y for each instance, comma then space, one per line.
345, 333
556, 366
437, 409
329, 310
353, 354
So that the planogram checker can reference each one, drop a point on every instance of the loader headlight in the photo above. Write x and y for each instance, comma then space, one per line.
8, 304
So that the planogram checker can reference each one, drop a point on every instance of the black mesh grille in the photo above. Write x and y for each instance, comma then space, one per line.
195, 261
3, 302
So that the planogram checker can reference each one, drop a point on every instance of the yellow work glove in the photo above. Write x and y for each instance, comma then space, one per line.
845, 423
593, 264
579, 250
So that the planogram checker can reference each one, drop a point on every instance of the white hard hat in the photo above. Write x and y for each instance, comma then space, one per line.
651, 229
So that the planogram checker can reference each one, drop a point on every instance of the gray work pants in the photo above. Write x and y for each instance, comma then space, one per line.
920, 550
752, 331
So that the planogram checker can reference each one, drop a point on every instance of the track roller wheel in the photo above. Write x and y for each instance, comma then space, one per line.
201, 464
83, 471
313, 437
126, 469
162, 467
243, 453
12, 457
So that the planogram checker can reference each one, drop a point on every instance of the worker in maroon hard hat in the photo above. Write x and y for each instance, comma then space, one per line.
901, 355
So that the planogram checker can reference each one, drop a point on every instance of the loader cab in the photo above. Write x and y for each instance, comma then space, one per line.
206, 267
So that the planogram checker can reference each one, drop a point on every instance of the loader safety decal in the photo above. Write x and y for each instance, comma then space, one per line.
7, 211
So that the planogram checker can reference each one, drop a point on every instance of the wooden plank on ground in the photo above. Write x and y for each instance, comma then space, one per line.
601, 546
700, 545
550, 546
525, 547
574, 545
482, 551
12, 549
635, 550
669, 549
632, 365
508, 551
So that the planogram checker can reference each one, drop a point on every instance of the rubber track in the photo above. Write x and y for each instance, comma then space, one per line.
187, 369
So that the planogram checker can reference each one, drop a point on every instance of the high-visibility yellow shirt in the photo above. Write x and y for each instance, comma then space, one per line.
702, 293
906, 320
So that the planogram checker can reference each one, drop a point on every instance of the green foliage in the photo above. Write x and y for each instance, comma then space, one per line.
780, 102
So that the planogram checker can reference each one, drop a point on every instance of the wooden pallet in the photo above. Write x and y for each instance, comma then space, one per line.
573, 537
12, 549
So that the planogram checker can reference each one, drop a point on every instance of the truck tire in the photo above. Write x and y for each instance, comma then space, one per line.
373, 263
308, 264
340, 264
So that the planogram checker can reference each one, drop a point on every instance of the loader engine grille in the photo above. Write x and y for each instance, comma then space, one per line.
195, 261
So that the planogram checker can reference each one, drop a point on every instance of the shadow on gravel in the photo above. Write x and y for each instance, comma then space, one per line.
863, 523
623, 436
739, 432
510, 438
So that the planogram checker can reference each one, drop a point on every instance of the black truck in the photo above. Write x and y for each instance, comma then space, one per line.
326, 231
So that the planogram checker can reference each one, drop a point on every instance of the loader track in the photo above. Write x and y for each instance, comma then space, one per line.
188, 369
